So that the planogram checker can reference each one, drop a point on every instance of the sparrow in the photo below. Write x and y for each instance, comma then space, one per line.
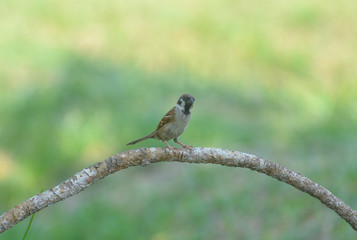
174, 123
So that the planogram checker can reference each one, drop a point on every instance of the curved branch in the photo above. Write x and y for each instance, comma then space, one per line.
145, 156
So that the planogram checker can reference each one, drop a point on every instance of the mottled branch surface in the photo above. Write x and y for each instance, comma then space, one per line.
145, 156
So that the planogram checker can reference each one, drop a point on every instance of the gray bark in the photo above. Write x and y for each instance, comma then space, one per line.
145, 156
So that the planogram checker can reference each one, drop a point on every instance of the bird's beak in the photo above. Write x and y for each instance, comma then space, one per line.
191, 100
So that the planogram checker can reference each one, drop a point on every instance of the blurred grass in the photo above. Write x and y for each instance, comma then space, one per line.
78, 80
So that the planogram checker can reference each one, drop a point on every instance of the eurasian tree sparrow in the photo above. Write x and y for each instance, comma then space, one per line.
174, 123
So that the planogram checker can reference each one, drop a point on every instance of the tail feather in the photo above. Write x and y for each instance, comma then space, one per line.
141, 139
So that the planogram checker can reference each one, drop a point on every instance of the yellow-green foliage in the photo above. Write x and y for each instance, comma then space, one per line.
80, 79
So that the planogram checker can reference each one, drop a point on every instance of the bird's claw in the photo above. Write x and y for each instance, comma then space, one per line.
170, 148
187, 147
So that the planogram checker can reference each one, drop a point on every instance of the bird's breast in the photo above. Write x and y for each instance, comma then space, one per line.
175, 128
181, 120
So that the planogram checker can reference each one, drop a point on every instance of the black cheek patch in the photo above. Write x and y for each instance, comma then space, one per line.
179, 101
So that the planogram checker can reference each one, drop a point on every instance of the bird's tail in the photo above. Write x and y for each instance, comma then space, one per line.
142, 139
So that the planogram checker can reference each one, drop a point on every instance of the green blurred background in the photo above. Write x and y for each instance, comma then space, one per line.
80, 79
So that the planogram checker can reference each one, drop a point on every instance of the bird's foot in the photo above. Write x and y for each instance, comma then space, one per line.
171, 150
183, 145
168, 146
187, 147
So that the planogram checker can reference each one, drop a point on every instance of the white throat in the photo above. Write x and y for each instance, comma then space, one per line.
179, 107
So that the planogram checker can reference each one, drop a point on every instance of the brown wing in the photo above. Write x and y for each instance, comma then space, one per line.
169, 117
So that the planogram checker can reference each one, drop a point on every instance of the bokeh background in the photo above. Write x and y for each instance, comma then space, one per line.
80, 79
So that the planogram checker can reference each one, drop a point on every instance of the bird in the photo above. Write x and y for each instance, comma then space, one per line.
173, 124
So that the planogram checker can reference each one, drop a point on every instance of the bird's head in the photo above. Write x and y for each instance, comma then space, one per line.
186, 102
